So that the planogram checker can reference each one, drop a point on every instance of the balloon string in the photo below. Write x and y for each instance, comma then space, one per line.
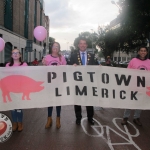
19, 26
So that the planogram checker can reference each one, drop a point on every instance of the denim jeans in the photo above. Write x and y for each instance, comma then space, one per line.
17, 115
137, 113
58, 110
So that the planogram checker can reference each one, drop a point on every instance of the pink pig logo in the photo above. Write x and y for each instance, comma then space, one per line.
148, 92
19, 84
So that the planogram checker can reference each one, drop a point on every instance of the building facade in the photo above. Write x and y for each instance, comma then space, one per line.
18, 18
123, 57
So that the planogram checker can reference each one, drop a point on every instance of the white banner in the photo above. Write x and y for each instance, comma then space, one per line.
43, 86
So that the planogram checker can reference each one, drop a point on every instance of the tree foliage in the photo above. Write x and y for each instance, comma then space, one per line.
73, 50
51, 41
135, 21
91, 37
134, 28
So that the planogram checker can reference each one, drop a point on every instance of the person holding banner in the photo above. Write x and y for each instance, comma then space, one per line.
82, 57
54, 59
143, 63
17, 114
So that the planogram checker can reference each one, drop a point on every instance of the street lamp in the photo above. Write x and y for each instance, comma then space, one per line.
113, 2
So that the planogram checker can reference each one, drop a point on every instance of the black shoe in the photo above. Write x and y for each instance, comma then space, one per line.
137, 121
124, 121
91, 121
78, 121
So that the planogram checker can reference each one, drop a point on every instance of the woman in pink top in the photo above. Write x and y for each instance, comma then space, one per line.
17, 114
55, 59
143, 63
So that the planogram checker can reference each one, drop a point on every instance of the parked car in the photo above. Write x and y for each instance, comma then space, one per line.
115, 62
125, 62
120, 62
102, 60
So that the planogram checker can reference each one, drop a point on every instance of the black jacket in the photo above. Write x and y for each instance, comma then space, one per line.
76, 59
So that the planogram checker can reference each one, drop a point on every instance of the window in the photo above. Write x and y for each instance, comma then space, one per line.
128, 59
35, 17
26, 18
41, 4
8, 14
22, 53
123, 58
41, 17
39, 55
119, 58
115, 58
41, 10
34, 53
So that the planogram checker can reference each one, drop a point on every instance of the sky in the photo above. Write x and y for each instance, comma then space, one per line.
68, 18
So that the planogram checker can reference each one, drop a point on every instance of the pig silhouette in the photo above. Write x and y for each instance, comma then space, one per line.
19, 84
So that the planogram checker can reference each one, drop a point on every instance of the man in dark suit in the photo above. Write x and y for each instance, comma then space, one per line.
82, 57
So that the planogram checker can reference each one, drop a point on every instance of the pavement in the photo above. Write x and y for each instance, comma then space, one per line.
106, 134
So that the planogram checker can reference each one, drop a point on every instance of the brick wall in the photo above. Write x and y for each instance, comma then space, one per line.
18, 16
38, 13
2, 12
31, 19
47, 28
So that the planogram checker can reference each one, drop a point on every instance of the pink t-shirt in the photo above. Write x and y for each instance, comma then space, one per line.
49, 60
16, 65
136, 63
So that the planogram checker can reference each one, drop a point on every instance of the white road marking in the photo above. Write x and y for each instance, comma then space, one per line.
129, 140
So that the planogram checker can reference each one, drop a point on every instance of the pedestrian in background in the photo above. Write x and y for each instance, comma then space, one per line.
108, 61
35, 62
141, 62
17, 114
54, 59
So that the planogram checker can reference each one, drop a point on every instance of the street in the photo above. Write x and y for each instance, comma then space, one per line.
106, 134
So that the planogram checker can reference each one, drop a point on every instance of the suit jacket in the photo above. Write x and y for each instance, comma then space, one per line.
76, 59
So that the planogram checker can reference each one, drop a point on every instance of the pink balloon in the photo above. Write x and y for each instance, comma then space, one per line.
40, 33
2, 44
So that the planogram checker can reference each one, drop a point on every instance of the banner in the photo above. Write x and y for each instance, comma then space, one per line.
43, 86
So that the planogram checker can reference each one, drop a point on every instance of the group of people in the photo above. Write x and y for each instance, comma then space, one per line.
82, 57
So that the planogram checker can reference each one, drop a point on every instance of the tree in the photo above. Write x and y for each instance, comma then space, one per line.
51, 41
100, 54
108, 41
135, 21
133, 31
91, 37
72, 48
